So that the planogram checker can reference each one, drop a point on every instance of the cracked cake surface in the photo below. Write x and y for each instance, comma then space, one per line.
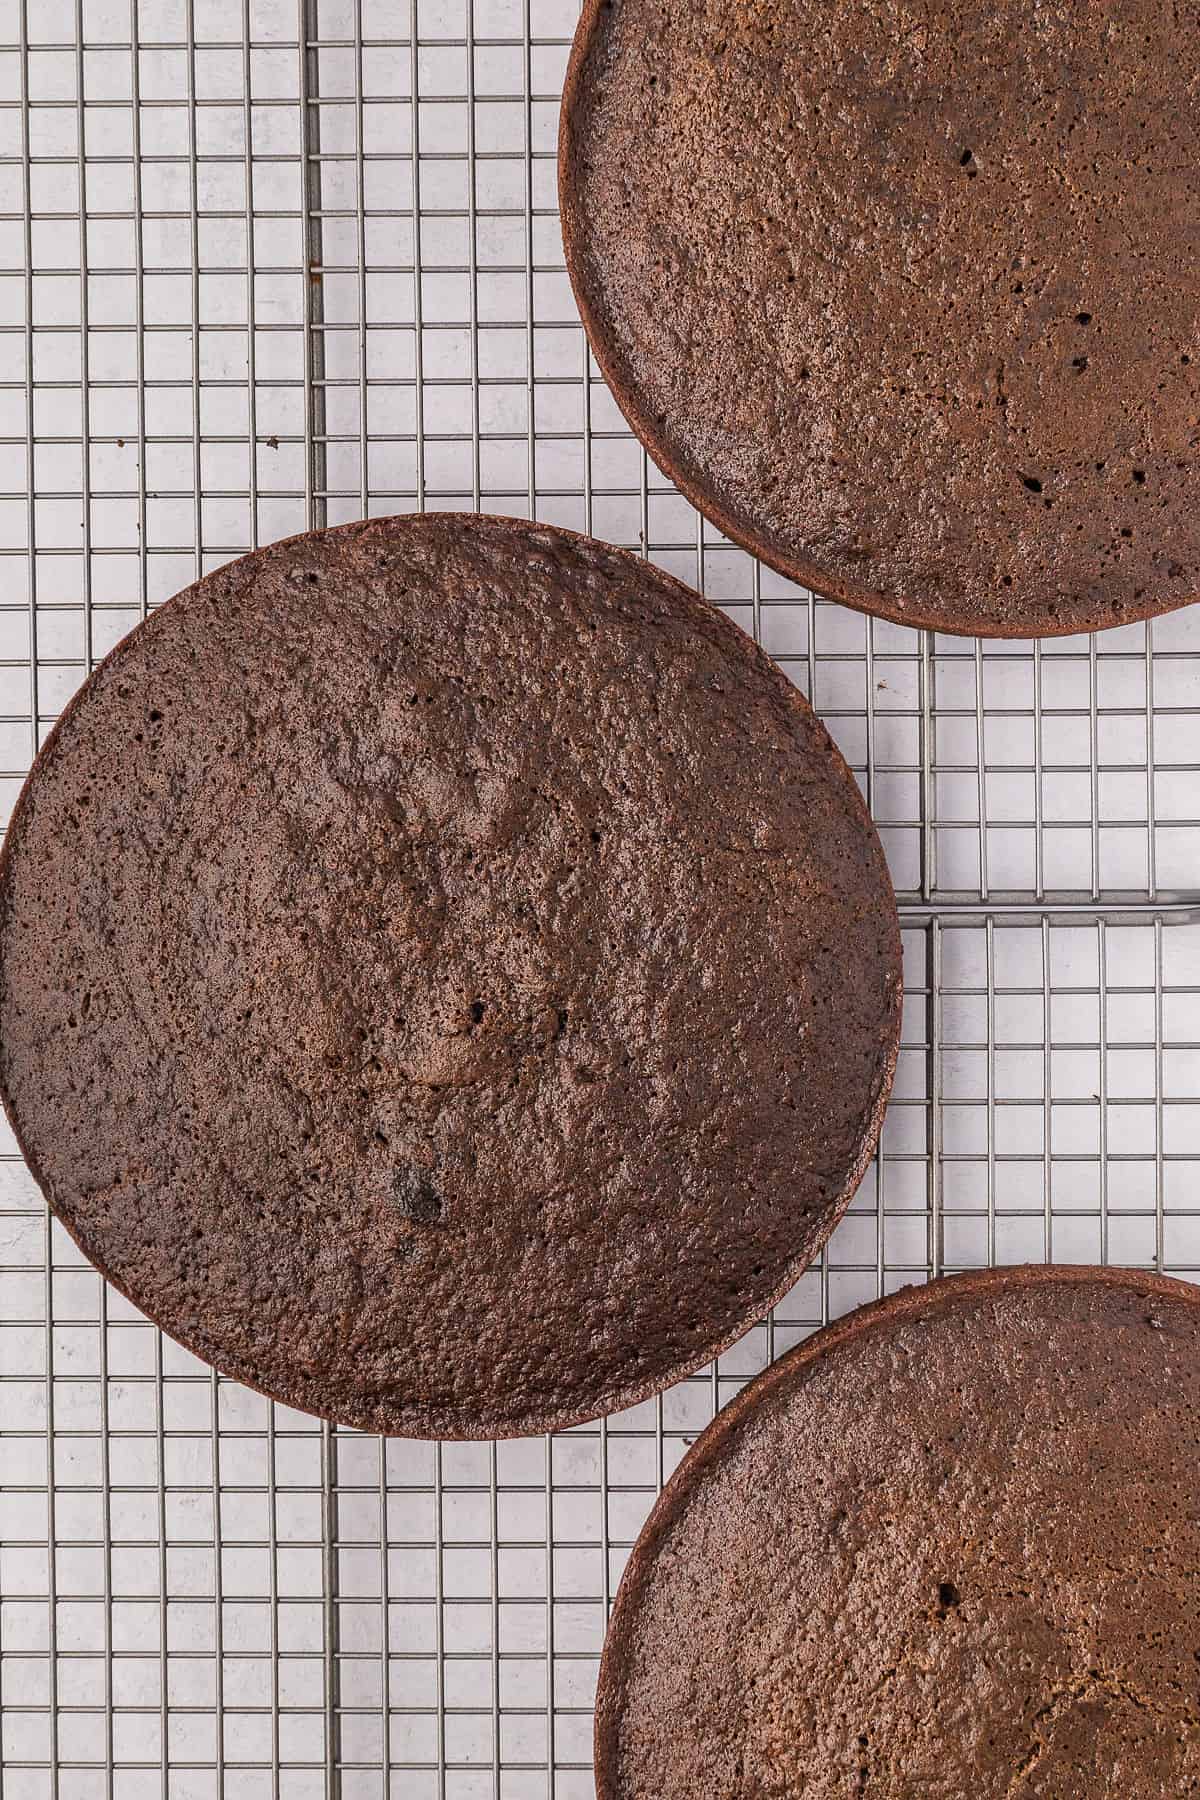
423, 975
948, 1547
906, 298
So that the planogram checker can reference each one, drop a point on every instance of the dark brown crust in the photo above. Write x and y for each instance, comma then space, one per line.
1035, 620
918, 1303
405, 1413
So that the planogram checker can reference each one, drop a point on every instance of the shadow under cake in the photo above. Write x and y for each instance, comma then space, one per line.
947, 1547
448, 977
906, 299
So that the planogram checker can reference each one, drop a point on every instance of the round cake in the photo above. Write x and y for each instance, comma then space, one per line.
905, 298
448, 977
948, 1547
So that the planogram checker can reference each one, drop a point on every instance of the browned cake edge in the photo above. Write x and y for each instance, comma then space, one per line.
796, 566
739, 644
896, 1309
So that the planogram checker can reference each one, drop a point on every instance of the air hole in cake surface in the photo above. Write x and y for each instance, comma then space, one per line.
415, 1195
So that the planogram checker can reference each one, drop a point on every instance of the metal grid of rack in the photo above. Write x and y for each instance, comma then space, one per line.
267, 264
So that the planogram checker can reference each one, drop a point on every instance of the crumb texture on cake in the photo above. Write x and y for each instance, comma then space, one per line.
424, 975
907, 297
953, 1553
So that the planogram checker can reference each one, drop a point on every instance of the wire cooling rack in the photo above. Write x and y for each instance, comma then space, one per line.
267, 265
